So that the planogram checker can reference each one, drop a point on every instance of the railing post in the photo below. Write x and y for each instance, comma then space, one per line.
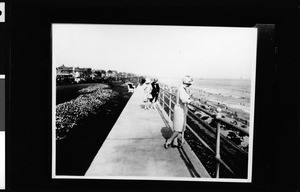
161, 96
163, 99
170, 104
177, 95
218, 142
184, 127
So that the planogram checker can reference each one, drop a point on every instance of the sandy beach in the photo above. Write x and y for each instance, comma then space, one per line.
241, 103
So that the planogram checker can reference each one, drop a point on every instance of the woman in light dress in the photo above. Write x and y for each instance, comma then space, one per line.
180, 111
147, 93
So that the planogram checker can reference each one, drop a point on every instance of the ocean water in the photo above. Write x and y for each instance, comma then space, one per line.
237, 88
234, 93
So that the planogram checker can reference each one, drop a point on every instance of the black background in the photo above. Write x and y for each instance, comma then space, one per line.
2, 104
2, 48
29, 81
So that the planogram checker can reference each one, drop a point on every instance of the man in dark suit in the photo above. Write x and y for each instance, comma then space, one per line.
154, 92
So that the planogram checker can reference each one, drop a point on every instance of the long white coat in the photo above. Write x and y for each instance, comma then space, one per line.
147, 92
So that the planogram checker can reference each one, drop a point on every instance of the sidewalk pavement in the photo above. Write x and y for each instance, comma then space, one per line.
134, 147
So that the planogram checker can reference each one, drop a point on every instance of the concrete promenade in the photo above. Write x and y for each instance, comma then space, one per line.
134, 147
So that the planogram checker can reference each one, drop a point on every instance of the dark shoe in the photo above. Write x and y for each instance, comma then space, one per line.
173, 146
176, 146
167, 145
179, 144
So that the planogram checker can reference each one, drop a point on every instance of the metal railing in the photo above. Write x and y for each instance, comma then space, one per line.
168, 100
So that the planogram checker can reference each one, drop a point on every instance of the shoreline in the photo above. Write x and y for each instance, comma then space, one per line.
234, 96
229, 101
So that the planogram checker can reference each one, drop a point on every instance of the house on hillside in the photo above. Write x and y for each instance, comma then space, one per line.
63, 70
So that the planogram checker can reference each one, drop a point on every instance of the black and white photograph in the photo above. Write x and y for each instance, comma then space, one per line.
153, 102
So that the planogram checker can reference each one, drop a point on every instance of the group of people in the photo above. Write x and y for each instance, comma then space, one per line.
151, 91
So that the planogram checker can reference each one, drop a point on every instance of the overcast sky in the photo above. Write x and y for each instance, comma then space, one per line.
164, 51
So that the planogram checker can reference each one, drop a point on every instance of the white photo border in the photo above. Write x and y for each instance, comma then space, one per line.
251, 127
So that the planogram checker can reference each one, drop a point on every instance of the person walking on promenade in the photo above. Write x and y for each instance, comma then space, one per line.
142, 80
154, 92
147, 93
180, 111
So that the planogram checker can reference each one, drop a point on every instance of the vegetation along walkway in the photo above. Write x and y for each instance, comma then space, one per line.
134, 147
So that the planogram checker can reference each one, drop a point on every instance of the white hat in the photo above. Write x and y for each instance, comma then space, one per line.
187, 80
147, 81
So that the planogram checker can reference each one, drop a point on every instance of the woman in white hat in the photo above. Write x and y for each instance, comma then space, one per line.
147, 93
180, 110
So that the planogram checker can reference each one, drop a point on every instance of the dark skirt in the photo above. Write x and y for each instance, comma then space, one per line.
154, 97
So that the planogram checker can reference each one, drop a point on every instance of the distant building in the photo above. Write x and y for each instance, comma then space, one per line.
111, 73
82, 72
78, 72
131, 75
103, 73
100, 73
63, 70
122, 75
